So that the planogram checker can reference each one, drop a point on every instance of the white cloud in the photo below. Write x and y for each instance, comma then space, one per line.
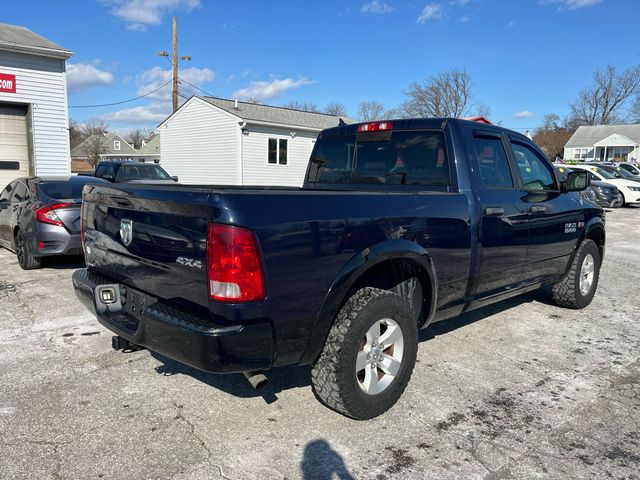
153, 113
571, 4
574, 4
524, 115
511, 23
138, 14
376, 6
155, 77
81, 76
433, 11
158, 105
267, 90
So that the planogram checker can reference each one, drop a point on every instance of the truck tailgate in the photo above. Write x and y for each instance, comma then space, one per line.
150, 238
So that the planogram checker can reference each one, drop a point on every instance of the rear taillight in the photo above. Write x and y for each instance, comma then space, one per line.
233, 265
48, 214
375, 127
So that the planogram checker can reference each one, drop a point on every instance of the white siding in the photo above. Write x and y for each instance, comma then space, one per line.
257, 170
200, 145
42, 83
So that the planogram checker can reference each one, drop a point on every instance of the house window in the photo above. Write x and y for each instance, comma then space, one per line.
580, 153
278, 151
116, 144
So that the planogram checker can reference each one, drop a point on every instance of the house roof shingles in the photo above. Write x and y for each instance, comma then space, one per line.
14, 38
587, 136
276, 115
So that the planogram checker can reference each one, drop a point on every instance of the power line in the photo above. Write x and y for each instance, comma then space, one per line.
123, 101
196, 87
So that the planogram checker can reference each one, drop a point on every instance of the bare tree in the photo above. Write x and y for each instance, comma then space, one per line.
554, 134
370, 111
95, 132
602, 102
447, 94
138, 136
481, 109
304, 106
336, 108
75, 134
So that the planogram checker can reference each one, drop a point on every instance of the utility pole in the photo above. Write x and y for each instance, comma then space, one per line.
174, 64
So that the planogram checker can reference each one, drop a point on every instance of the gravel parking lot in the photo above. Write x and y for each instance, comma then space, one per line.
522, 389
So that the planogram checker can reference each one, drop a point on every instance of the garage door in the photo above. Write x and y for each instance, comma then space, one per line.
14, 149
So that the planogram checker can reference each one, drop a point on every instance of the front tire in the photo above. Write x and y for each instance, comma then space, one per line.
369, 355
26, 260
624, 202
579, 284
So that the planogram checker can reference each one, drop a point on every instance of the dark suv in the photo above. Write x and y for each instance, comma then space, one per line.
127, 171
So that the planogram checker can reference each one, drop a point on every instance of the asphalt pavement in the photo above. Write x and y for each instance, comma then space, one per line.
522, 389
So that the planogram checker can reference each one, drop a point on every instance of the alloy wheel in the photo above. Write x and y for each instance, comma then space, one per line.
380, 356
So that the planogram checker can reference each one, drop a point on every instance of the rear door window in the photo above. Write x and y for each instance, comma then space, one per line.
385, 158
493, 164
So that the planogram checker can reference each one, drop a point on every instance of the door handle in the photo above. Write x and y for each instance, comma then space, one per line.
494, 211
538, 209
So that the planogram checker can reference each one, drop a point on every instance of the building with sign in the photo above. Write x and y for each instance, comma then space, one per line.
34, 135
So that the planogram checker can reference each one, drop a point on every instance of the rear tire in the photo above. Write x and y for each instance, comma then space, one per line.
26, 260
579, 284
361, 374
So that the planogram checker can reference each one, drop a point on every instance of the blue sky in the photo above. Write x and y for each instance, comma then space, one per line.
526, 57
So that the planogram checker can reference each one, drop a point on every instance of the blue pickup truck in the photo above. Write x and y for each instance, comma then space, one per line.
399, 224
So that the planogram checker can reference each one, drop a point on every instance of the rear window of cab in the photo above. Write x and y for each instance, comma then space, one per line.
405, 157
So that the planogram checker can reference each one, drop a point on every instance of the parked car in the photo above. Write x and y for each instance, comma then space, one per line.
621, 172
632, 168
604, 194
629, 189
40, 217
244, 279
126, 171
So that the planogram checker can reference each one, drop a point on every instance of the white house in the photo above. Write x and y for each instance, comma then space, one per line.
211, 140
34, 135
604, 142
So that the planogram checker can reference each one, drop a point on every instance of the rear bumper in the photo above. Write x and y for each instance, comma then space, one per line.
54, 240
182, 336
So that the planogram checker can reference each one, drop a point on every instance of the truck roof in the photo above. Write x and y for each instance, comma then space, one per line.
422, 123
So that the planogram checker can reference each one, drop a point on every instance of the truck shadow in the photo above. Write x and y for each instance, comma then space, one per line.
236, 384
446, 326
64, 262
285, 378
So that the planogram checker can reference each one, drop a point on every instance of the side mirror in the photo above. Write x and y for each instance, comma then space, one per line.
576, 181
174, 178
